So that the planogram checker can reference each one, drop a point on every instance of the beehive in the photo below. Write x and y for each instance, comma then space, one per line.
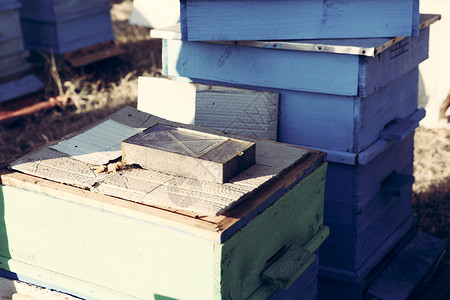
63, 26
356, 99
93, 245
15, 80
203, 20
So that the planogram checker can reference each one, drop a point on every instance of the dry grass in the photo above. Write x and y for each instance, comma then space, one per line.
94, 91
100, 89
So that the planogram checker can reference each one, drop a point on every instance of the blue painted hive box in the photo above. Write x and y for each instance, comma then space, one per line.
63, 26
356, 99
10, 33
221, 20
14, 80
135, 233
336, 95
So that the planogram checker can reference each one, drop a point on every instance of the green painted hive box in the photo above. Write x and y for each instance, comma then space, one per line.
140, 234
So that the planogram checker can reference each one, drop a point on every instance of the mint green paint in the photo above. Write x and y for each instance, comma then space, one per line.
292, 220
97, 253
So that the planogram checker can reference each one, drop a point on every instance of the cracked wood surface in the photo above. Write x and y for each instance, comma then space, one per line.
278, 168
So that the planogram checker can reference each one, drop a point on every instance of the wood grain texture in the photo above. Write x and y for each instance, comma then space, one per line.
146, 255
242, 111
269, 68
338, 124
92, 27
350, 75
203, 20
256, 188
366, 47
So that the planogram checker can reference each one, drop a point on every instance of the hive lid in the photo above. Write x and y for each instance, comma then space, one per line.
272, 162
189, 153
365, 47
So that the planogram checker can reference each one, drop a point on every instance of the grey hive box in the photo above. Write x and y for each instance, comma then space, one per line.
189, 153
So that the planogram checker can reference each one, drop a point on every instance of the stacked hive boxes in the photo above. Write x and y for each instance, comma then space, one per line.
356, 99
61, 26
15, 80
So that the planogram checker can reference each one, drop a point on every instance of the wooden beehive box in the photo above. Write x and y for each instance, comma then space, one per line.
64, 224
64, 26
205, 20
357, 100
14, 80
337, 95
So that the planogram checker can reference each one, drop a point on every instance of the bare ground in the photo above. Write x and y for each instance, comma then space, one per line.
98, 90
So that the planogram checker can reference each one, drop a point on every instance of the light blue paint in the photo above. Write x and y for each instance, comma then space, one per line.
204, 20
281, 69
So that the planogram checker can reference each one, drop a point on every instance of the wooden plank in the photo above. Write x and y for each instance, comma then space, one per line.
349, 75
242, 111
203, 20
93, 54
364, 47
408, 268
13, 288
269, 69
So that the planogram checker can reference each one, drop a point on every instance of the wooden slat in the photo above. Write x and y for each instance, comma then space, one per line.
94, 53
365, 47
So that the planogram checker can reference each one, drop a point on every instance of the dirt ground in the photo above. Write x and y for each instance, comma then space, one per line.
97, 90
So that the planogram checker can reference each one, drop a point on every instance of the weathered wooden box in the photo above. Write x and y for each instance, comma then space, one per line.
58, 226
220, 20
56, 28
242, 111
343, 105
